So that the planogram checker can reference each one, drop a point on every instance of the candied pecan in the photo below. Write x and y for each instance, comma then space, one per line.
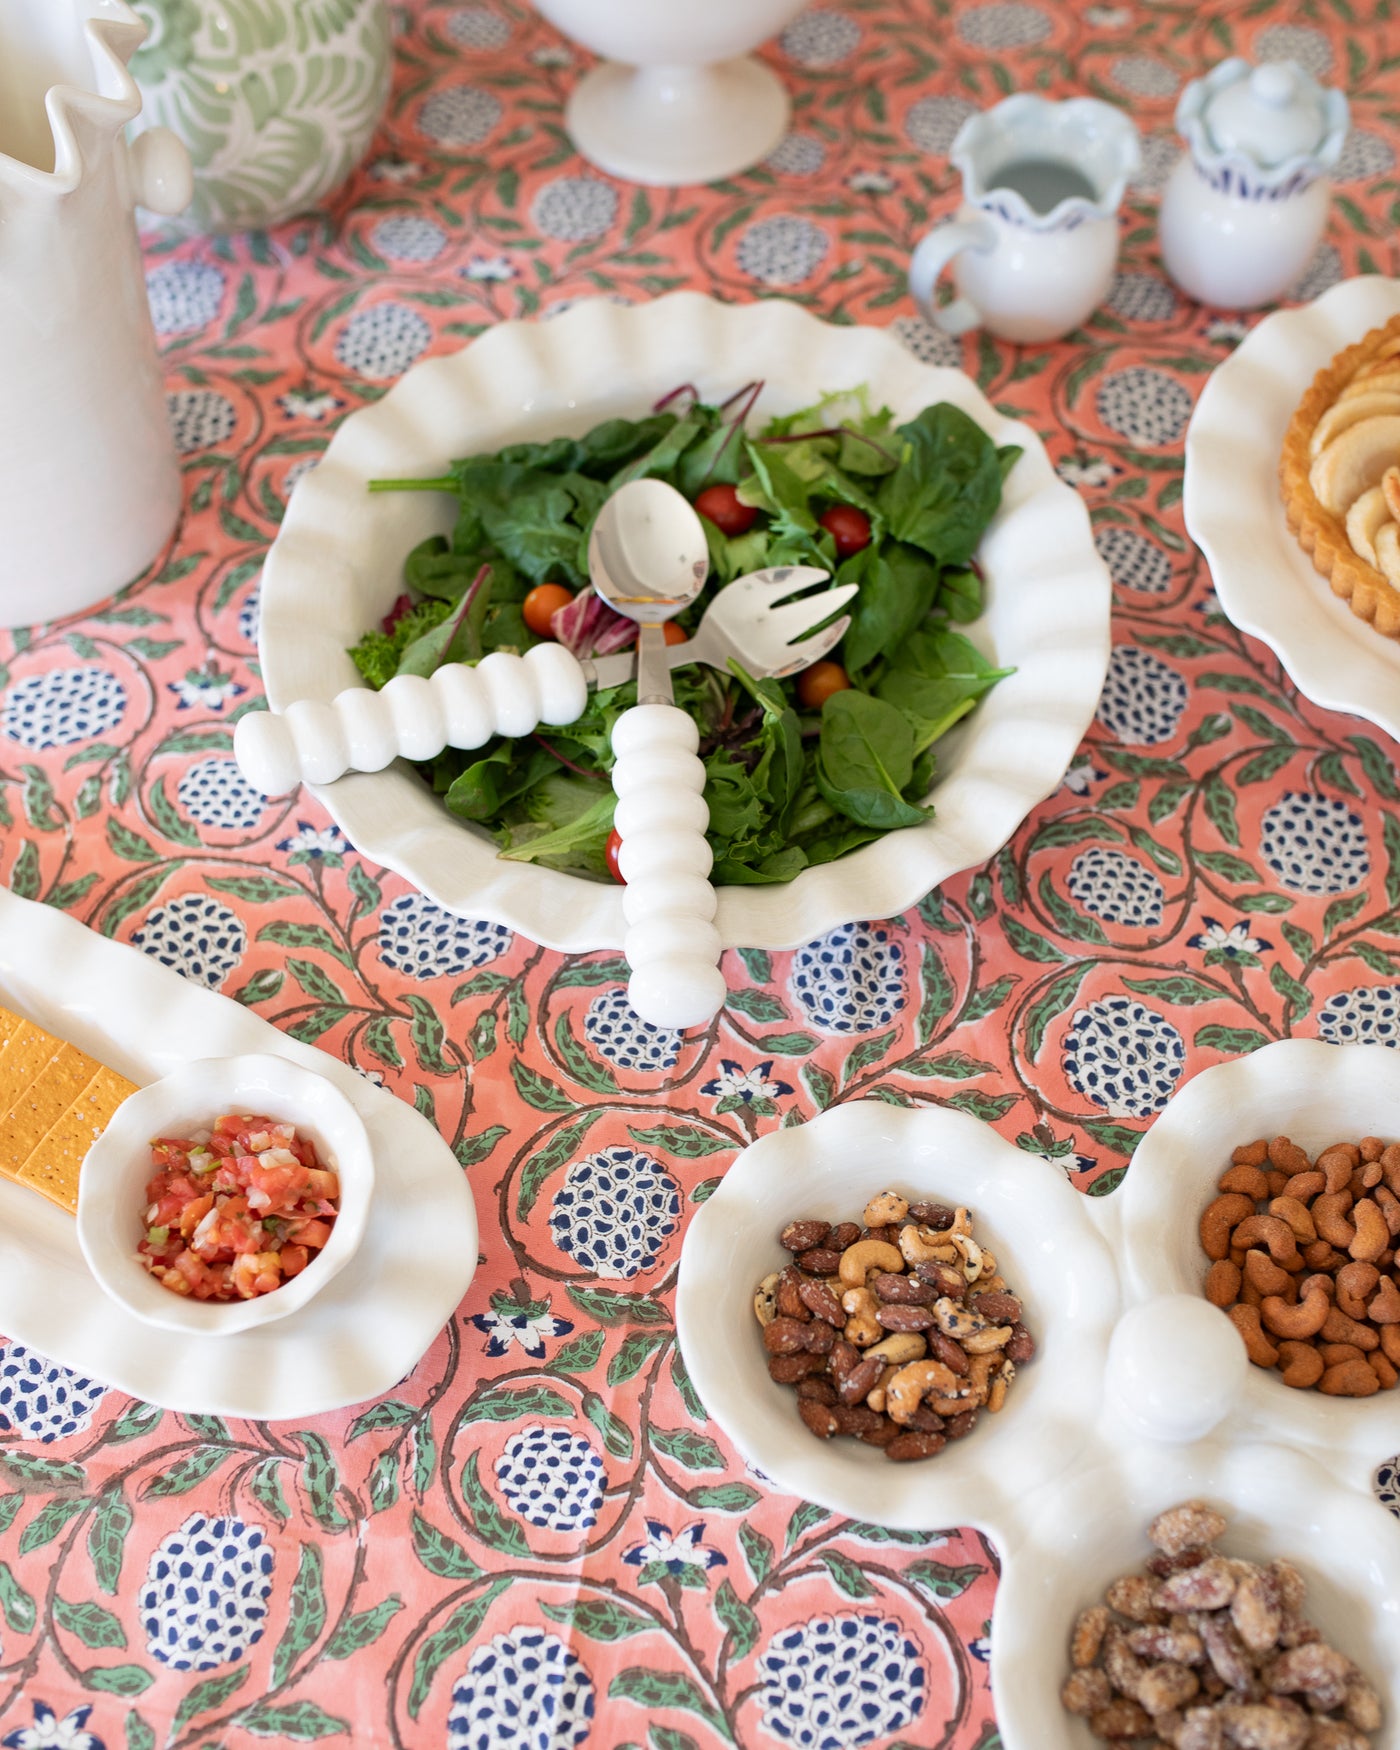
1362, 1706
1184, 1527
784, 1336
1252, 1726
912, 1444
1297, 1631
1086, 1637
1134, 1596
1166, 1686
1201, 1730
1021, 1346
856, 1382
844, 1234
948, 1352
801, 1236
1316, 1671
820, 1261
961, 1424
904, 1290
1161, 1566
1256, 1610
1085, 1691
1120, 1719
1180, 1646
1292, 1587
820, 1418
821, 1302
789, 1369
904, 1318
820, 1338
934, 1215
1226, 1651
997, 1309
819, 1390
1335, 1735
950, 1283
1205, 1587
787, 1297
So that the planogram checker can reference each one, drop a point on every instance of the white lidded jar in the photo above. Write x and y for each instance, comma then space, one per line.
89, 480
1247, 204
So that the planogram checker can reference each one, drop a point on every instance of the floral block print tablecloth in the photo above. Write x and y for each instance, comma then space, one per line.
538, 1540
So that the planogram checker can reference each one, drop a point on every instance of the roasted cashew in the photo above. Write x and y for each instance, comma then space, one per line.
990, 1337
862, 1327
957, 1322
865, 1256
920, 1379
765, 1303
1372, 1235
971, 1255
1270, 1231
924, 1245
900, 1347
989, 1268
962, 1223
875, 1397
1297, 1216
979, 1377
1304, 1320
886, 1210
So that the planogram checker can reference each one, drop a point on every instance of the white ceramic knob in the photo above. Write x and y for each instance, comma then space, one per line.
1176, 1368
162, 173
671, 944
411, 717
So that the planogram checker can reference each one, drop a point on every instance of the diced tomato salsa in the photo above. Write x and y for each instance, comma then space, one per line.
236, 1211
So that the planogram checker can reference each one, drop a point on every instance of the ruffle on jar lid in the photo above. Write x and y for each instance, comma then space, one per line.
1264, 130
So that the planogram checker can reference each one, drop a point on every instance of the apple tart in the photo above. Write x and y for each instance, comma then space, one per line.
1340, 476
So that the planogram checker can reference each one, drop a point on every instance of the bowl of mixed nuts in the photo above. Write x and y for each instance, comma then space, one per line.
897, 1314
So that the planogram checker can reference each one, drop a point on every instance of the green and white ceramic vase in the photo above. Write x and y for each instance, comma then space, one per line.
277, 100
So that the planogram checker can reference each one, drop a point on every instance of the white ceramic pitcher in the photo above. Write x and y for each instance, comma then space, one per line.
89, 480
1035, 242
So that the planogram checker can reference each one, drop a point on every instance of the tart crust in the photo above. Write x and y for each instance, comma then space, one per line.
1320, 533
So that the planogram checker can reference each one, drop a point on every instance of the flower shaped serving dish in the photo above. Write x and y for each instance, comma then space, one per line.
1140, 1394
1265, 581
111, 1187
337, 566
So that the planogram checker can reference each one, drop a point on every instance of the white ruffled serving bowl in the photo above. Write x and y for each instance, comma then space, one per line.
337, 567
1139, 1395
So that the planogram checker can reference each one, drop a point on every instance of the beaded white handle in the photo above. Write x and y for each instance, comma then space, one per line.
413, 716
672, 944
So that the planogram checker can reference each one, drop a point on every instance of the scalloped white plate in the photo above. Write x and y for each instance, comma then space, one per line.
361, 1334
1265, 581
337, 566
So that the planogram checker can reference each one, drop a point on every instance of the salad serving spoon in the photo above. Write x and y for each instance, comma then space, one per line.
648, 560
316, 741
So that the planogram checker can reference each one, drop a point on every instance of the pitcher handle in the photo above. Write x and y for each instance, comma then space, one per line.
933, 255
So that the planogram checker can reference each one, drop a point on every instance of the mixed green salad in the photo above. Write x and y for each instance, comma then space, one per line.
798, 772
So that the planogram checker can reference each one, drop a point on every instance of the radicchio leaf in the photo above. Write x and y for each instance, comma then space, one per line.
587, 626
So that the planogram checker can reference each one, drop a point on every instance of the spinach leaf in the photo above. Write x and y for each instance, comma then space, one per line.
599, 452
496, 778
578, 843
948, 487
897, 587
666, 452
960, 595
839, 838
866, 761
936, 678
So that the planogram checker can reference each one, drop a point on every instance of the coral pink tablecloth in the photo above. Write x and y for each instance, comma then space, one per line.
539, 1530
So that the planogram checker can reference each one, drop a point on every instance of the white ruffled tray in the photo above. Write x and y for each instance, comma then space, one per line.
337, 566
1139, 1395
357, 1338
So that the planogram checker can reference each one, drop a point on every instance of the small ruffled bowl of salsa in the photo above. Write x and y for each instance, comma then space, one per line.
225, 1195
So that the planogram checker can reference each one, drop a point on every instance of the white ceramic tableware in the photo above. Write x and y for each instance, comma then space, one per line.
358, 1336
1265, 581
1035, 243
337, 566
1138, 1397
677, 98
111, 1187
459, 705
648, 560
89, 483
1244, 208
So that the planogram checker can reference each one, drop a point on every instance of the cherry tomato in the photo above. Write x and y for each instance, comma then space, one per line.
816, 684
721, 505
542, 604
674, 634
610, 856
848, 527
